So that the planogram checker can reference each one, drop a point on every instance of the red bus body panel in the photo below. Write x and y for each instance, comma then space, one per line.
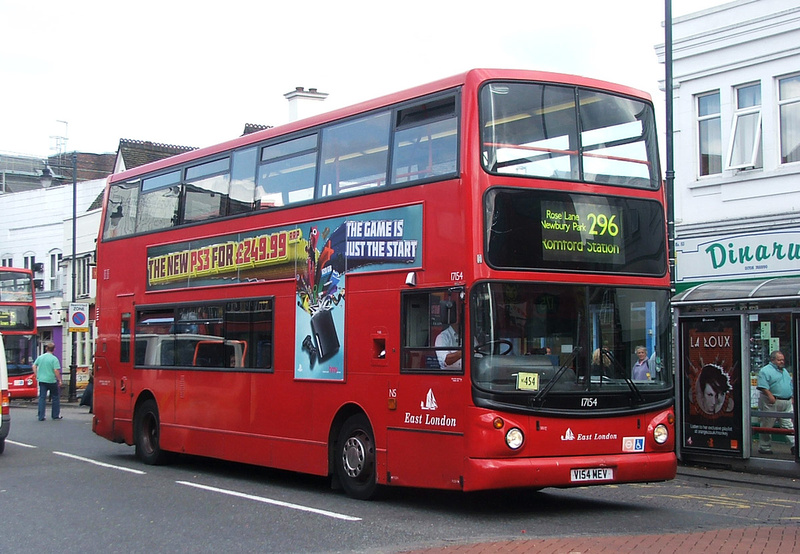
23, 386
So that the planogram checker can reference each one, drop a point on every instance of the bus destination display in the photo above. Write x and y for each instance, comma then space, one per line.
581, 232
13, 318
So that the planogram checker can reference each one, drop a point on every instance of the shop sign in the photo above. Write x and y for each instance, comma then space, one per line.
739, 256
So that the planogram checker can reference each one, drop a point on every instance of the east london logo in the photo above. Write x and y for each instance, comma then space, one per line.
569, 435
429, 404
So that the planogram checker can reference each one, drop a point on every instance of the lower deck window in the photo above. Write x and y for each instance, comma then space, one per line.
433, 325
233, 335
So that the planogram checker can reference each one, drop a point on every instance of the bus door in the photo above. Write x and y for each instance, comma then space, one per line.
431, 407
123, 393
112, 396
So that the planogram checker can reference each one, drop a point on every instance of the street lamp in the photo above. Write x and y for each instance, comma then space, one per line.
47, 176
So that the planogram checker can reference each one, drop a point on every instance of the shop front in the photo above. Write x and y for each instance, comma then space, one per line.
725, 333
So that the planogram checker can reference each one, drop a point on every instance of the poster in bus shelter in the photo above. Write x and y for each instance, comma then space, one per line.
317, 255
712, 386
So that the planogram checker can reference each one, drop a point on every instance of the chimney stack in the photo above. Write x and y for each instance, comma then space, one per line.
304, 103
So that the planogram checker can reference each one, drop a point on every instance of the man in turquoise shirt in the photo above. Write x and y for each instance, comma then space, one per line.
48, 373
775, 384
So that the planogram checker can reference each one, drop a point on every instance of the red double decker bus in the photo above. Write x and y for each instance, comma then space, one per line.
445, 287
18, 325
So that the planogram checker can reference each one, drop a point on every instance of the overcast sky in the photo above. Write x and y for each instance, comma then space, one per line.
192, 73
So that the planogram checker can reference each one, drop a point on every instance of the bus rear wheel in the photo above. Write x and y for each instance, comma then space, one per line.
355, 458
146, 429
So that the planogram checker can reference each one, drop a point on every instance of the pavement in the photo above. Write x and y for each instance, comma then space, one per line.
767, 539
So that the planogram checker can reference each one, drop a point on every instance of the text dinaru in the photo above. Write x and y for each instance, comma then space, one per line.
721, 255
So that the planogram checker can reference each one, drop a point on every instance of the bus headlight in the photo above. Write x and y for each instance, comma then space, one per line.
514, 438
661, 433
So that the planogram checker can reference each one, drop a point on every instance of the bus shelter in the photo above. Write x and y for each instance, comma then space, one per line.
724, 334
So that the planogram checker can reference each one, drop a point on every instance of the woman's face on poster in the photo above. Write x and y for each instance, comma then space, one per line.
711, 401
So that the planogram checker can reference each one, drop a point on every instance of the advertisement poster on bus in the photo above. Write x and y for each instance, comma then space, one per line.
712, 387
374, 241
317, 255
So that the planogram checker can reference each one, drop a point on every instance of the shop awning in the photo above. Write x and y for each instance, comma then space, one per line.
717, 292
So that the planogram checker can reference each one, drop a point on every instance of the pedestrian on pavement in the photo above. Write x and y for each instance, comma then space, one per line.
775, 384
48, 373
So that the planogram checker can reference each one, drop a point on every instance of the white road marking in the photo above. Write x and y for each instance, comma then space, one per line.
271, 501
21, 444
101, 464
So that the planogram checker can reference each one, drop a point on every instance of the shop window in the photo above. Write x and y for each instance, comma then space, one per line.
772, 430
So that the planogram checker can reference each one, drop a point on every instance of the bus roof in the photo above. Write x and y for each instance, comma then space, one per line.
471, 76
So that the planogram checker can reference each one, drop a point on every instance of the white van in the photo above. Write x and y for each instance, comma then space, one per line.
5, 405
189, 349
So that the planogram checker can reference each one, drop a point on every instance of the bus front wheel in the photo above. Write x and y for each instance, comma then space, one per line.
355, 458
146, 434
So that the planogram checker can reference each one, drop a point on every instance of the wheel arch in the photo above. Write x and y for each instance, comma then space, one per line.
143, 397
344, 413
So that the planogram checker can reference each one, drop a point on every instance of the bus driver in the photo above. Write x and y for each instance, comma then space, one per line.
449, 337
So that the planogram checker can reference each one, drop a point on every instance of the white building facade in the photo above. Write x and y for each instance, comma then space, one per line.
36, 233
737, 138
736, 79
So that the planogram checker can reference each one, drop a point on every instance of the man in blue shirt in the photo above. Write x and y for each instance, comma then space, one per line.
48, 373
775, 384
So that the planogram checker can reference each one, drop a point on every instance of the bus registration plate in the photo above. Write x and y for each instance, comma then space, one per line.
592, 474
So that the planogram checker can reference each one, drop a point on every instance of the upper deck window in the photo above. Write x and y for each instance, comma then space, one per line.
426, 141
206, 190
15, 287
159, 202
123, 202
287, 172
563, 132
243, 181
354, 155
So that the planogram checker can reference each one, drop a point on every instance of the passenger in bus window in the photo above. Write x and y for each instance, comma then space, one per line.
449, 337
641, 368
601, 361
